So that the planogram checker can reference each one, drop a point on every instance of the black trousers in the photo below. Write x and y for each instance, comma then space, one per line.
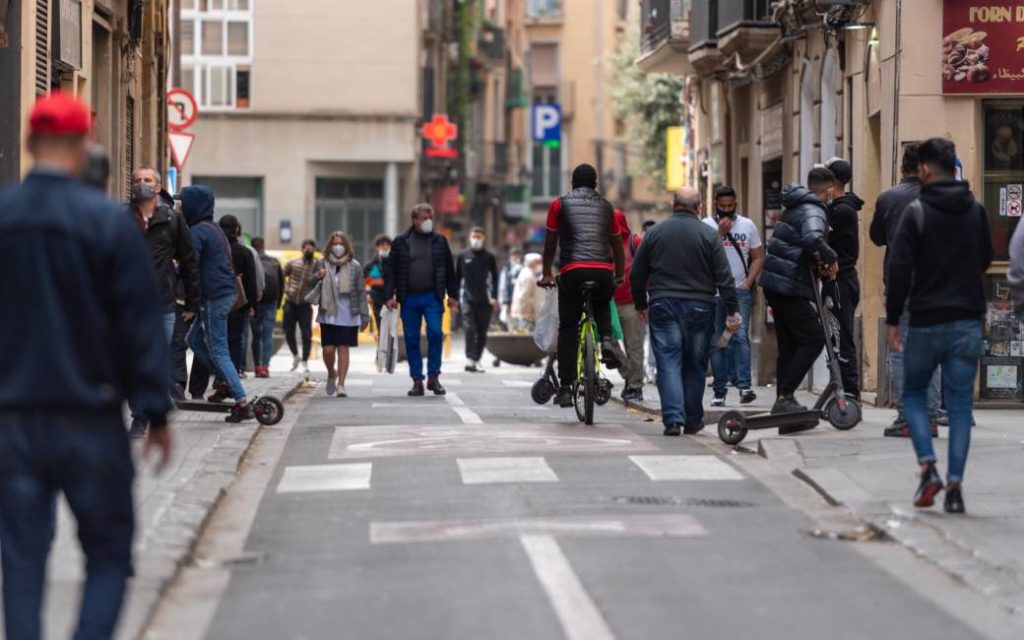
301, 314
570, 308
846, 293
179, 350
236, 336
800, 337
477, 321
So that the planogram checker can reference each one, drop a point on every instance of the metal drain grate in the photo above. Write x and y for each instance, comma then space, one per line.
661, 501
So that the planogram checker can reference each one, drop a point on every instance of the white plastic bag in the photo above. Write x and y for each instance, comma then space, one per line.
545, 331
387, 346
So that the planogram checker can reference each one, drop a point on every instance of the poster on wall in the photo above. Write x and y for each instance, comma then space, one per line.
982, 47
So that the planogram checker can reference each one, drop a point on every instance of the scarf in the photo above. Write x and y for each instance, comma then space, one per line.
329, 294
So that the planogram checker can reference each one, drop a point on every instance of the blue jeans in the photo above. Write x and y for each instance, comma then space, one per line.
209, 341
169, 320
896, 371
681, 339
733, 361
956, 346
415, 308
263, 333
87, 457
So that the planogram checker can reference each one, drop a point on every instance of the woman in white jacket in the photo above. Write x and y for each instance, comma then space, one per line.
526, 298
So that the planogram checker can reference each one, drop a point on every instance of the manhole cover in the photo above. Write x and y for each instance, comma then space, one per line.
683, 502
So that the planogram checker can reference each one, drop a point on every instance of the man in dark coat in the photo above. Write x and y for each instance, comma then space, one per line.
476, 271
245, 267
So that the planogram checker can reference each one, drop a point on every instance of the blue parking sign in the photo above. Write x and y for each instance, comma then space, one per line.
547, 123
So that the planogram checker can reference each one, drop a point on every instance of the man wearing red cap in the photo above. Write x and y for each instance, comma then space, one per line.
82, 339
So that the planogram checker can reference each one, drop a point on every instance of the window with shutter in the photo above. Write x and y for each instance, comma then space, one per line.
129, 142
42, 47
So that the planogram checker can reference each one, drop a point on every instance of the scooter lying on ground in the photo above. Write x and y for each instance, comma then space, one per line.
268, 410
841, 411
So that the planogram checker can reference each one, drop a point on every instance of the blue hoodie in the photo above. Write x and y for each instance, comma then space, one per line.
216, 276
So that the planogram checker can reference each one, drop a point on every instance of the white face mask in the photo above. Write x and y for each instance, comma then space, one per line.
476, 243
384, 253
427, 226
338, 250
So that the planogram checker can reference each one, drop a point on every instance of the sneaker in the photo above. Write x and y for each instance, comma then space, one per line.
564, 397
474, 367
240, 412
220, 393
673, 429
305, 367
341, 392
609, 354
747, 396
417, 388
787, 404
719, 399
296, 361
433, 384
693, 429
954, 499
242, 375
263, 372
900, 429
138, 428
931, 485
332, 386
635, 394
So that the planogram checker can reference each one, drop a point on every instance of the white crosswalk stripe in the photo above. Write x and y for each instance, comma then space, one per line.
504, 470
326, 477
683, 467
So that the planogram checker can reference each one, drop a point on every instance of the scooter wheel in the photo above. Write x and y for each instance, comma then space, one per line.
604, 392
732, 428
269, 410
843, 420
542, 391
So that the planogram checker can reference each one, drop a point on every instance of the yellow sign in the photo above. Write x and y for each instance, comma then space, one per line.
676, 169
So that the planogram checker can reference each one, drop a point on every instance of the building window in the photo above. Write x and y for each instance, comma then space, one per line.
217, 52
240, 197
353, 206
544, 8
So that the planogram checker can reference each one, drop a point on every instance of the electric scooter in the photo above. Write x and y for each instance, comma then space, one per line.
833, 405
268, 410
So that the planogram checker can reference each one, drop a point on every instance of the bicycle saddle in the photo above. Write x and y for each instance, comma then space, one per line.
589, 285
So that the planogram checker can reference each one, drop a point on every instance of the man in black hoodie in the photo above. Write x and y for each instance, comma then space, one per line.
937, 260
798, 244
245, 266
844, 238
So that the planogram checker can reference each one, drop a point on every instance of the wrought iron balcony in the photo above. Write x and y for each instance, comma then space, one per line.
490, 44
745, 27
665, 32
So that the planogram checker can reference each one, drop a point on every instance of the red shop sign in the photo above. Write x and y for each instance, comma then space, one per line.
982, 47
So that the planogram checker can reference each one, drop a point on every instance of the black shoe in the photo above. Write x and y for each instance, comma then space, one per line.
634, 395
177, 391
787, 404
900, 429
417, 388
474, 368
719, 399
564, 397
954, 499
931, 485
240, 413
220, 392
747, 396
138, 428
433, 384
608, 354
693, 429
673, 429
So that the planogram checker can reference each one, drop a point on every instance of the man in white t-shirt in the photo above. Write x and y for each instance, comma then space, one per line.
743, 247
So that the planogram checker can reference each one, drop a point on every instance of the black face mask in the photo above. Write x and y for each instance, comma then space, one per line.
307, 255
724, 214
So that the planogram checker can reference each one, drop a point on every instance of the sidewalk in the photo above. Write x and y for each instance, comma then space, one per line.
171, 509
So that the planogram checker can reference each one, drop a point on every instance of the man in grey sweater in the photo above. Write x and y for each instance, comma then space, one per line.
678, 269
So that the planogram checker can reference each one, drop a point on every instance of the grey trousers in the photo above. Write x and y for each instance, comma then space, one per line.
633, 337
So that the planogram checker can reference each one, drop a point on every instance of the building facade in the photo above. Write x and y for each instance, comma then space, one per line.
114, 54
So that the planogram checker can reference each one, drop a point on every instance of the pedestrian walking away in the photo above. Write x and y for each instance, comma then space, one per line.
679, 268
946, 302
889, 210
208, 337
742, 243
476, 271
419, 274
799, 240
343, 310
266, 310
373, 275
581, 226
80, 341
170, 245
527, 300
298, 312
507, 279
245, 268
632, 329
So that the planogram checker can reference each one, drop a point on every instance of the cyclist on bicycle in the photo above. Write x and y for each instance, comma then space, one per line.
582, 225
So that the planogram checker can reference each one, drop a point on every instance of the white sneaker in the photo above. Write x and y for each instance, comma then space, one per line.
296, 361
332, 387
305, 367
341, 392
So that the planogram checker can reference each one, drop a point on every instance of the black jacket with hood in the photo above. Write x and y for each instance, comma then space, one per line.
798, 243
844, 232
216, 278
938, 257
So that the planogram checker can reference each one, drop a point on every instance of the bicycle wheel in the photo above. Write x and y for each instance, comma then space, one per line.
589, 376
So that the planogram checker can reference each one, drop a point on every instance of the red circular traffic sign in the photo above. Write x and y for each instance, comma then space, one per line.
182, 109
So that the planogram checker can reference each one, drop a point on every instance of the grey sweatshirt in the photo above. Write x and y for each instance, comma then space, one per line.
1016, 274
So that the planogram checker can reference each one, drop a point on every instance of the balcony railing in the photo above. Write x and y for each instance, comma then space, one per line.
733, 14
703, 24
663, 20
491, 44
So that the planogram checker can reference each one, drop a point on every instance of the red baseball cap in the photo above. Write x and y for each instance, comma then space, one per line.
60, 114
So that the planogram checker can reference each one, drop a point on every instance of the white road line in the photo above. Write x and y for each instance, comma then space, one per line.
580, 617
662, 468
500, 470
518, 384
325, 477
458, 405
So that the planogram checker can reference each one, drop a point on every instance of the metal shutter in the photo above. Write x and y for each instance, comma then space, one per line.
42, 47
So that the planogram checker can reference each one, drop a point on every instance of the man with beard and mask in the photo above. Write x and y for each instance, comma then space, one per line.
476, 271
170, 245
299, 275
844, 238
418, 275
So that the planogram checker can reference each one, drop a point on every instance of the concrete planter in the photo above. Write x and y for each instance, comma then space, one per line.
515, 348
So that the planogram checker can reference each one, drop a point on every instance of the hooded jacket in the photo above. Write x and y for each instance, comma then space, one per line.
938, 257
216, 277
796, 245
888, 212
844, 232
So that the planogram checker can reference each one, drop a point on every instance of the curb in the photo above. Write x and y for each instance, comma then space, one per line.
185, 519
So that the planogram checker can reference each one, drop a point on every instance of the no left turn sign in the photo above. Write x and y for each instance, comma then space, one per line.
182, 110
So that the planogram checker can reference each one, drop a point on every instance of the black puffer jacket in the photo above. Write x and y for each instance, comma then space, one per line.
586, 225
798, 241
844, 232
396, 268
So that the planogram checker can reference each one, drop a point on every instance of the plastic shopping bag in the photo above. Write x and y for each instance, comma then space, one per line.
387, 346
545, 331
616, 323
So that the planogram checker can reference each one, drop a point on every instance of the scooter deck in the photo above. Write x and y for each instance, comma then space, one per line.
202, 405
777, 420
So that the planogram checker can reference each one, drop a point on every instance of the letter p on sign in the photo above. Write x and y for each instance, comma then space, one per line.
547, 123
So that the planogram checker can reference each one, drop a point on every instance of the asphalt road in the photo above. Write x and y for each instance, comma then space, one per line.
483, 515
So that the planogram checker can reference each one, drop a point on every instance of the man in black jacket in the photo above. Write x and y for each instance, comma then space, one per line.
844, 238
418, 274
245, 266
266, 310
798, 244
937, 261
476, 271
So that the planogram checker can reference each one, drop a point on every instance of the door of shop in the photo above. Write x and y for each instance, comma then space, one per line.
355, 207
